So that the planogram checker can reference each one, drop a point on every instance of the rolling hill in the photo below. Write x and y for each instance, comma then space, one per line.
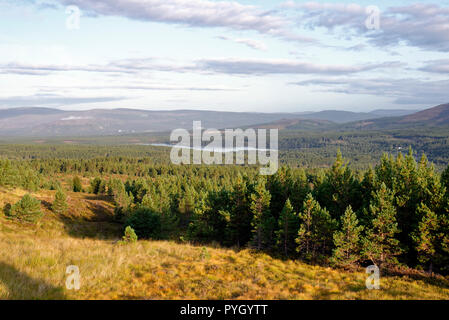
433, 117
46, 122
52, 122
437, 115
338, 116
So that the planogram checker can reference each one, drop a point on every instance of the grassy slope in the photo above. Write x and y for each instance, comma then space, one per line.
33, 261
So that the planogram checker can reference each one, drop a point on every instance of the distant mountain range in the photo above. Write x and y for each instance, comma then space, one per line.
46, 122
347, 116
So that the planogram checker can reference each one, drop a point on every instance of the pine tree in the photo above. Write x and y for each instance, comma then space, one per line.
301, 188
27, 209
187, 206
76, 184
263, 222
280, 185
367, 187
316, 229
445, 180
213, 222
426, 237
347, 240
288, 229
443, 257
430, 189
95, 185
406, 199
147, 201
339, 188
60, 203
102, 189
240, 213
123, 200
380, 245
146, 223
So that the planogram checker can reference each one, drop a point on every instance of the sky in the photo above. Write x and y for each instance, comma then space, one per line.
254, 56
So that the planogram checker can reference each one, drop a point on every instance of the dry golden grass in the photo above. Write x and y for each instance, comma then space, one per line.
34, 258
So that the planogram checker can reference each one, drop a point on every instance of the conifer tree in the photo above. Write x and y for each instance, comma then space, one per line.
263, 222
288, 229
60, 203
27, 209
347, 240
147, 201
123, 200
76, 184
240, 214
445, 179
430, 189
339, 188
187, 206
426, 237
380, 245
280, 185
301, 188
367, 186
102, 189
385, 171
316, 229
95, 185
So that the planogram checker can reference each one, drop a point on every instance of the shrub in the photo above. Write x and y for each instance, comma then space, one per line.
204, 255
130, 235
7, 209
146, 223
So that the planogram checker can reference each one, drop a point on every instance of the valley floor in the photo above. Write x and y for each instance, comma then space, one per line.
34, 259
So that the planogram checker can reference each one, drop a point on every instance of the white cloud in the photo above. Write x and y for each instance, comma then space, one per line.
203, 66
282, 66
194, 13
420, 25
254, 44
437, 66
403, 91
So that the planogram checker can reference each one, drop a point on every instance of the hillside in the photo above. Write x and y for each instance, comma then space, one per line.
45, 122
432, 117
16, 112
34, 261
438, 115
296, 124
348, 116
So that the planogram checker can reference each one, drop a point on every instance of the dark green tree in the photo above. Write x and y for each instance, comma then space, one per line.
426, 237
146, 223
263, 222
288, 229
240, 213
27, 209
380, 245
314, 238
347, 240
339, 188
